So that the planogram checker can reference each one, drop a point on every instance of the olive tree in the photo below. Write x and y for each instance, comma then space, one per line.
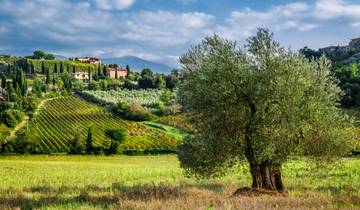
258, 104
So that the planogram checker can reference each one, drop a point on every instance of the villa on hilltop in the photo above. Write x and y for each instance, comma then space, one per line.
90, 60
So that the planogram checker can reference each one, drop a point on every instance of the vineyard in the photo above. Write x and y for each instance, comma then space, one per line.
148, 97
60, 118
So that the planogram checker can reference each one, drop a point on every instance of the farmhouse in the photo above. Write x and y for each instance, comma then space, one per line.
81, 75
90, 60
116, 72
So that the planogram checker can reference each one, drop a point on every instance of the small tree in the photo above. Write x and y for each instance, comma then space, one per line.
117, 136
89, 142
262, 104
43, 67
127, 71
3, 81
61, 68
55, 68
47, 80
76, 147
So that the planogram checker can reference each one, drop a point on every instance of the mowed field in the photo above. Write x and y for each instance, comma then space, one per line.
157, 182
59, 119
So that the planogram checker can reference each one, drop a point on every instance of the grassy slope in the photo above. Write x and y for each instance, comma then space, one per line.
156, 182
168, 130
59, 119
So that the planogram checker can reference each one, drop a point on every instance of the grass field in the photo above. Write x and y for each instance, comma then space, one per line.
156, 182
59, 119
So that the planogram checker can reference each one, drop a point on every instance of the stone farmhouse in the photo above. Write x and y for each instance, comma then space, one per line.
90, 60
81, 75
119, 72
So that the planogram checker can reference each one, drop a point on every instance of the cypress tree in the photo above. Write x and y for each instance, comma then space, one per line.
9, 69
127, 71
89, 146
99, 71
67, 68
55, 68
42, 67
116, 74
104, 71
53, 79
74, 69
32, 69
61, 68
89, 72
3, 81
47, 81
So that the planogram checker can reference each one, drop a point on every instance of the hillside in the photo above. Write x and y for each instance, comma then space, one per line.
61, 118
340, 55
138, 64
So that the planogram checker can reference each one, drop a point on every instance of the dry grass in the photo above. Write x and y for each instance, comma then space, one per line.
156, 182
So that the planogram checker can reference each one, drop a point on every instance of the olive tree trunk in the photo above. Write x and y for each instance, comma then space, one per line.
266, 176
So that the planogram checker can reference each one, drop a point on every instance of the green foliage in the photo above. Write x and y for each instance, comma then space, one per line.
117, 136
39, 54
3, 80
93, 85
148, 97
24, 143
76, 146
89, 141
4, 132
134, 111
11, 117
261, 103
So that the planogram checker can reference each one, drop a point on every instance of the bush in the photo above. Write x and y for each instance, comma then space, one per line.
134, 111
93, 86
11, 117
76, 147
24, 143
117, 136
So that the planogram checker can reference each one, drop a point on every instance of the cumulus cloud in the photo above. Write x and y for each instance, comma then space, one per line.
331, 9
284, 17
113, 4
166, 28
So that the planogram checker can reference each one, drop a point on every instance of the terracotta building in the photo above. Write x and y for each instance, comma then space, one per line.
119, 72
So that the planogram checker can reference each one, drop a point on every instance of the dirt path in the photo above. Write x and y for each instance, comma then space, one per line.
26, 119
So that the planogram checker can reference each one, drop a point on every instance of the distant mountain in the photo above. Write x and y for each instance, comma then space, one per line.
138, 64
60, 57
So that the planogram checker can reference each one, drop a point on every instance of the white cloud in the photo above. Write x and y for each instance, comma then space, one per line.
284, 17
166, 28
331, 9
114, 4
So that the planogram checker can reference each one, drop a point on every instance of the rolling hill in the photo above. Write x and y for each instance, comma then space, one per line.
61, 118
138, 64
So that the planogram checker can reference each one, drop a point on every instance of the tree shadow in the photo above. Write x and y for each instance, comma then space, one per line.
94, 195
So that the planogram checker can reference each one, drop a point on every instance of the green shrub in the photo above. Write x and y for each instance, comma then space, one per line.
24, 143
117, 136
134, 111
11, 117
76, 147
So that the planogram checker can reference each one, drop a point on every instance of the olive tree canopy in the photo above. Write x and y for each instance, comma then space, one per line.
260, 103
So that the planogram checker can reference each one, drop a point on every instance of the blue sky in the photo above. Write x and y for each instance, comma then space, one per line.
161, 30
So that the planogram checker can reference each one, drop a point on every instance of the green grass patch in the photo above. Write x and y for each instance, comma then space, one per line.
157, 182
168, 130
